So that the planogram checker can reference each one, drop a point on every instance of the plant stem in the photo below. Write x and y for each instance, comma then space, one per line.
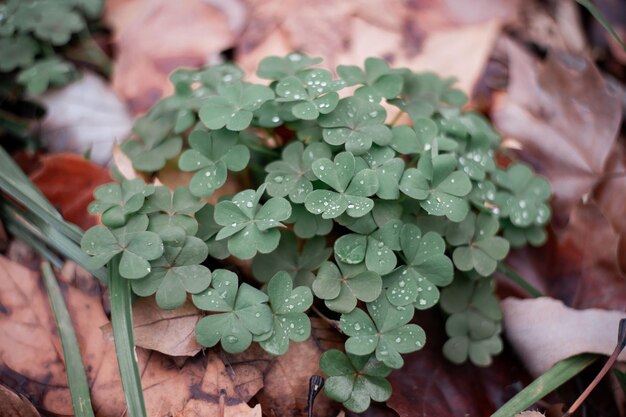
621, 342
396, 118
333, 323
519, 280
76, 378
123, 337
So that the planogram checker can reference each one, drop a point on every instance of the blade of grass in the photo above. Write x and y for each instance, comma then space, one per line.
76, 378
16, 184
123, 336
22, 233
556, 376
597, 14
519, 280
46, 235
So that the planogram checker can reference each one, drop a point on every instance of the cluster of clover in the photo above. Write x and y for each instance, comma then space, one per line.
407, 209
31, 33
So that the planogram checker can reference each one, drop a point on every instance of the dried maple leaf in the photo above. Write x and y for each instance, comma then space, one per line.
154, 37
566, 118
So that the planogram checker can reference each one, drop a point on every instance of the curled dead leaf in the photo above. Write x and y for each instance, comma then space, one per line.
544, 331
14, 405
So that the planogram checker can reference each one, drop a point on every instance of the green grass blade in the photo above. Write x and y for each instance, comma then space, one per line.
16, 184
45, 235
519, 280
76, 378
556, 376
21, 232
122, 321
597, 14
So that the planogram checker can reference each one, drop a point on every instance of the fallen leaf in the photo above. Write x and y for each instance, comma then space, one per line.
154, 37
419, 35
85, 116
31, 358
566, 117
583, 269
287, 383
68, 181
530, 414
14, 405
544, 331
171, 332
429, 385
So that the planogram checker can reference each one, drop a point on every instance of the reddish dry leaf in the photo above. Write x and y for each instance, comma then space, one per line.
68, 181
31, 358
14, 405
154, 37
566, 118
429, 385
580, 265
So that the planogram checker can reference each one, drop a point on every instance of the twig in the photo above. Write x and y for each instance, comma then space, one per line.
621, 343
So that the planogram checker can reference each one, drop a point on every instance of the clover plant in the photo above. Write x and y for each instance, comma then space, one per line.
339, 210
31, 35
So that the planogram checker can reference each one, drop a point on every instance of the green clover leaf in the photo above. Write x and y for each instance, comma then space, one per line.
351, 188
473, 337
438, 186
355, 380
117, 202
286, 257
424, 93
312, 92
386, 333
474, 324
153, 145
50, 21
379, 81
136, 245
175, 274
277, 68
292, 175
243, 312
249, 226
341, 285
478, 248
306, 225
234, 105
404, 141
17, 52
46, 73
426, 267
212, 154
522, 236
208, 230
288, 306
356, 123
375, 248
388, 169
527, 202
171, 214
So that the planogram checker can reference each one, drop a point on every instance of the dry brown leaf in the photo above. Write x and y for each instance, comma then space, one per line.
287, 383
422, 35
14, 405
31, 358
154, 37
544, 331
68, 182
566, 117
530, 414
167, 331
